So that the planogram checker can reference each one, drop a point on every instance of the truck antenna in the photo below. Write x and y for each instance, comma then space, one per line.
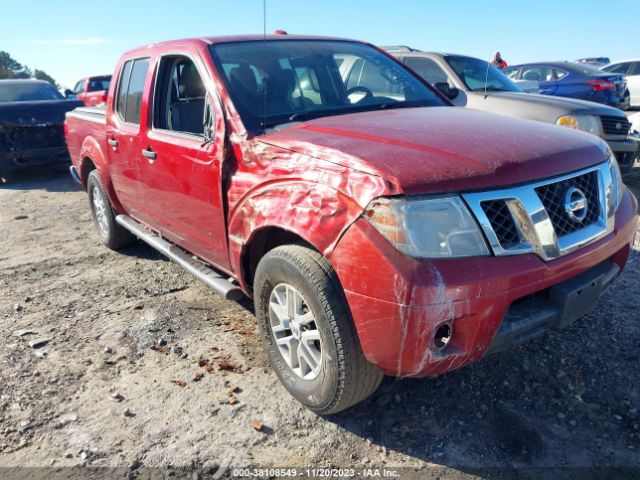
486, 80
264, 56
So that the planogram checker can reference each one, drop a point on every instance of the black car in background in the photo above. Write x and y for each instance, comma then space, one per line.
574, 80
31, 125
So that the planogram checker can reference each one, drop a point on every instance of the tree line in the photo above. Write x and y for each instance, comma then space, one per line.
11, 68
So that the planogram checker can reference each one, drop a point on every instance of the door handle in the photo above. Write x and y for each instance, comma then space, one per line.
151, 155
113, 142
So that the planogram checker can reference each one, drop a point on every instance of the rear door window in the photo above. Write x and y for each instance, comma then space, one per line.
135, 90
559, 74
123, 85
635, 69
130, 90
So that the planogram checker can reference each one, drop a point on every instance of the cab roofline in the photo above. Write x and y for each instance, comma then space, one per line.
207, 41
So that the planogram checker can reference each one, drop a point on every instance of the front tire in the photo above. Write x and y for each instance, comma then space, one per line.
308, 332
112, 234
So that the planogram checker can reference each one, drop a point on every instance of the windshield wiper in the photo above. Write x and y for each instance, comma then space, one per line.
489, 89
384, 106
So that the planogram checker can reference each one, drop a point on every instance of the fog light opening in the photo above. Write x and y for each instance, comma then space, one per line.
442, 337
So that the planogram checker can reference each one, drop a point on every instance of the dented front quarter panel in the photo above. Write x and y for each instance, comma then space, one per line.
297, 192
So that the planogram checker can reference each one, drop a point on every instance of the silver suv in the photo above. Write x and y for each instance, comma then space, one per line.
474, 83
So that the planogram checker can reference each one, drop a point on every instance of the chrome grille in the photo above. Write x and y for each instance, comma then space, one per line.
612, 125
552, 196
540, 217
502, 222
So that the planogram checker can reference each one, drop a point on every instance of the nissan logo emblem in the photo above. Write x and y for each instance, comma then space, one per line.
575, 204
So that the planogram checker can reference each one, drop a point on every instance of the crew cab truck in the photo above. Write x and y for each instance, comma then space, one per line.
377, 229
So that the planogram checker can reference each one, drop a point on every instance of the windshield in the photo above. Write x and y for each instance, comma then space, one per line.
280, 81
473, 73
27, 92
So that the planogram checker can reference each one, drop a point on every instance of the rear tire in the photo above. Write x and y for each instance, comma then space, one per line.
343, 376
112, 234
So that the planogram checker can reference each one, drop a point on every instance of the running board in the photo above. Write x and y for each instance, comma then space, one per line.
182, 258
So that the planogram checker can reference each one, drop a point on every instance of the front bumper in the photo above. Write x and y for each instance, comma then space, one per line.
398, 302
625, 151
18, 160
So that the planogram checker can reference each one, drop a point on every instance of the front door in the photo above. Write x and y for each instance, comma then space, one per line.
181, 167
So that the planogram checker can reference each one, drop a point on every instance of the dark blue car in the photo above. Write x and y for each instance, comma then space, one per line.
566, 79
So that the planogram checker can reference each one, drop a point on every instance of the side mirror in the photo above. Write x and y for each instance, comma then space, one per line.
68, 93
446, 90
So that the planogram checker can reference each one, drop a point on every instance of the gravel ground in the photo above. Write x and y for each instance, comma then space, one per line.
123, 360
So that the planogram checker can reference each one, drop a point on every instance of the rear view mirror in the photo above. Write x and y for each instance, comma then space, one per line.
446, 90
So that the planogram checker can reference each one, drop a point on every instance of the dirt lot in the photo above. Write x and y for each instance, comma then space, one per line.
122, 360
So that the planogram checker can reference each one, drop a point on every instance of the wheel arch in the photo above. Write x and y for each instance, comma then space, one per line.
298, 212
93, 158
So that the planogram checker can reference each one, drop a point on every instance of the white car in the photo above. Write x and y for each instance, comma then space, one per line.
631, 69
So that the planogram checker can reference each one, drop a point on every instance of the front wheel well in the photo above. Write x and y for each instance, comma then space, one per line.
263, 241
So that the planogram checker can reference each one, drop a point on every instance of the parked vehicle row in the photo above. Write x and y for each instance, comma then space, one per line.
378, 229
581, 81
474, 83
31, 125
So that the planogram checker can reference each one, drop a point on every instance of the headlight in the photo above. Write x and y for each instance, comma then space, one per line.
616, 181
438, 227
586, 123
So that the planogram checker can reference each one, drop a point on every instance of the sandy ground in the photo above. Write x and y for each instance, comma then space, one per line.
123, 360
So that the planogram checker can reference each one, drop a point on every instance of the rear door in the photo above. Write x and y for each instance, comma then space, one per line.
123, 130
181, 167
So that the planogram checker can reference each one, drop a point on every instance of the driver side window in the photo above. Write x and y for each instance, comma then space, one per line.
180, 97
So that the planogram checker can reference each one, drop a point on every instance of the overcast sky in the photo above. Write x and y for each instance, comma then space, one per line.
71, 39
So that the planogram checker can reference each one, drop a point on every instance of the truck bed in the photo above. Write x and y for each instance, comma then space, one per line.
81, 123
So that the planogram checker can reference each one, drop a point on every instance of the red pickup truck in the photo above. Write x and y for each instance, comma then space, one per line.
377, 229
91, 91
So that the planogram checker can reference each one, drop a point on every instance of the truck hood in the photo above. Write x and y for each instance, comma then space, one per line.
439, 149
23, 114
544, 108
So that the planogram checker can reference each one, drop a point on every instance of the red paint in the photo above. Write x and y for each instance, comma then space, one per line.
314, 180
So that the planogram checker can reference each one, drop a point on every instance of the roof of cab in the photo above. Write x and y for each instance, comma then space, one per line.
18, 81
205, 41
